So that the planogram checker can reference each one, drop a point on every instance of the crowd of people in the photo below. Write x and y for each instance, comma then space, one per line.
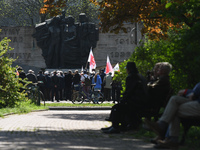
58, 85
140, 94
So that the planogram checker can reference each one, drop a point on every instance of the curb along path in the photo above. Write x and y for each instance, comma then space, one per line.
63, 130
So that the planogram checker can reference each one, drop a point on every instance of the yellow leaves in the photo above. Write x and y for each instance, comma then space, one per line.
107, 5
52, 8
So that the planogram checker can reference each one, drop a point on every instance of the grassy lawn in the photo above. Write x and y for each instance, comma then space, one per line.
78, 105
26, 107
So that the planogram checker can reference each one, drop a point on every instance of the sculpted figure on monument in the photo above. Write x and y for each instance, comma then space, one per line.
70, 51
65, 44
88, 36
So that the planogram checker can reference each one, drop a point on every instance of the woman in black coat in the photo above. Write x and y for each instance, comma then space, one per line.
133, 99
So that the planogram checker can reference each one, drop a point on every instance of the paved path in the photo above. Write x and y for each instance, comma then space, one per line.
64, 130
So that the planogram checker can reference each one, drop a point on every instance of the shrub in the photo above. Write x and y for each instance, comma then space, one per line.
9, 82
182, 50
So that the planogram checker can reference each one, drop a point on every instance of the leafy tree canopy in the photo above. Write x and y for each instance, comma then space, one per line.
157, 16
20, 13
181, 50
72, 7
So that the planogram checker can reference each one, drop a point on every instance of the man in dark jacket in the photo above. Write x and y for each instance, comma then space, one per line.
61, 85
47, 91
102, 75
41, 81
134, 97
76, 80
55, 83
68, 84
31, 77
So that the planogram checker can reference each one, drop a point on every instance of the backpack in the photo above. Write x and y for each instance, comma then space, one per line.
87, 82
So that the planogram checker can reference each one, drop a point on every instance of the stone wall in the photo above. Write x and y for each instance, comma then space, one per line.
117, 46
25, 49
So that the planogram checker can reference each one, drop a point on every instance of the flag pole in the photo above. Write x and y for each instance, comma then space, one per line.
86, 65
88, 59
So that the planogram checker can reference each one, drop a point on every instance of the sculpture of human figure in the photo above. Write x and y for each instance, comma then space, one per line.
69, 55
83, 37
53, 56
65, 44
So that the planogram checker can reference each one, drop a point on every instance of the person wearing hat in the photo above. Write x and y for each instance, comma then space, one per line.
31, 77
133, 99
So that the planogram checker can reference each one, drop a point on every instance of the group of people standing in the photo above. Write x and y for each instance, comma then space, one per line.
59, 85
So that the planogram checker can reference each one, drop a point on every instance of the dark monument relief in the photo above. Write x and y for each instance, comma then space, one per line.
64, 43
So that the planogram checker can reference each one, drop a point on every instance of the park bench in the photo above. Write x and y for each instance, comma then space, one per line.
155, 111
187, 123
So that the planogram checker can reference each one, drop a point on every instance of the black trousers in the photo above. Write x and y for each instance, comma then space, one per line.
124, 114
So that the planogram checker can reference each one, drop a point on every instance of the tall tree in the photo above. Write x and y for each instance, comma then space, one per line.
53, 7
157, 16
20, 13
72, 7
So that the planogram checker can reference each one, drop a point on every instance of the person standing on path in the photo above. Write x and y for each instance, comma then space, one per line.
107, 87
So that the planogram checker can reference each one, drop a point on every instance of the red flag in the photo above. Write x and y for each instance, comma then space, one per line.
92, 61
109, 67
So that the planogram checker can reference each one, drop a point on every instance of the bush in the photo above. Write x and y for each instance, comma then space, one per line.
9, 82
182, 50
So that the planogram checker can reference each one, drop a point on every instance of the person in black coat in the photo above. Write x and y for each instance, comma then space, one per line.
102, 75
41, 81
61, 85
55, 84
134, 97
47, 90
31, 77
68, 84
76, 81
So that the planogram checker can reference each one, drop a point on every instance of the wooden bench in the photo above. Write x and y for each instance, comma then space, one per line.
187, 123
155, 111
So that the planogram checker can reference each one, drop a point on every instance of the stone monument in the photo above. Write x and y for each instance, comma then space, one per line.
64, 43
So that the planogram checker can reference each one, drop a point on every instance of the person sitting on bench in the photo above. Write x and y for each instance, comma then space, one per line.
185, 104
133, 98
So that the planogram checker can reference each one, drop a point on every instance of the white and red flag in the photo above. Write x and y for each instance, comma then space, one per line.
109, 67
91, 61
116, 68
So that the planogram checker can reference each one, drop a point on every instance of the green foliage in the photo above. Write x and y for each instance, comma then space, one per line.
79, 105
24, 107
75, 7
9, 83
20, 13
182, 50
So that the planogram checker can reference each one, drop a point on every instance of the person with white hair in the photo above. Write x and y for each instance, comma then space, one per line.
31, 77
48, 88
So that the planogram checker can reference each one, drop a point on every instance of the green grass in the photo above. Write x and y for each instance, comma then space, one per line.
24, 107
77, 105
